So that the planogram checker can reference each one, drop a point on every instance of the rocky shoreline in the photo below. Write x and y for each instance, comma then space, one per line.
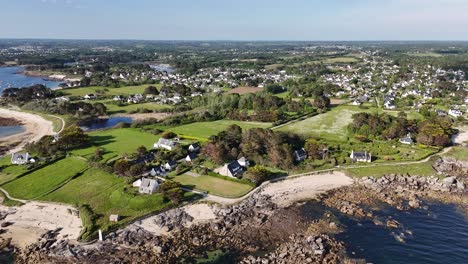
6, 121
257, 230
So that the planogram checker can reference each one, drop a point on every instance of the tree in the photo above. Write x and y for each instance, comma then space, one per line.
173, 191
73, 137
275, 88
168, 135
257, 174
121, 167
151, 90
141, 151
136, 170
322, 102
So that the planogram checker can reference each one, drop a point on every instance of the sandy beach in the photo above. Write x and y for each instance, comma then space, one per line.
284, 193
287, 192
36, 127
33, 219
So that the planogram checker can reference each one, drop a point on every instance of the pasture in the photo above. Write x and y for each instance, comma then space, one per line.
107, 194
203, 130
109, 91
116, 142
329, 126
40, 182
214, 185
245, 90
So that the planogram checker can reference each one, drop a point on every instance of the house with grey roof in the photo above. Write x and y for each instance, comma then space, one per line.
21, 158
361, 156
148, 186
165, 144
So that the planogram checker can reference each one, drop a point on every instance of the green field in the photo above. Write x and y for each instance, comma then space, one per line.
341, 60
203, 130
459, 153
214, 185
107, 194
329, 126
42, 181
9, 171
117, 142
416, 169
113, 108
126, 90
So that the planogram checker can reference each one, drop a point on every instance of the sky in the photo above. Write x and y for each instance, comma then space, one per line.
236, 19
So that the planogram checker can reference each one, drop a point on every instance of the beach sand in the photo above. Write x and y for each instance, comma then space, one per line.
33, 219
36, 127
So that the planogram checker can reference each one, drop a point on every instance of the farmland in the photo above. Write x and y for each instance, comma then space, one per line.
117, 141
40, 182
329, 126
127, 90
245, 90
214, 185
107, 194
115, 108
203, 130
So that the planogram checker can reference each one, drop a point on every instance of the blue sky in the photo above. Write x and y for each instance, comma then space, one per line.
236, 19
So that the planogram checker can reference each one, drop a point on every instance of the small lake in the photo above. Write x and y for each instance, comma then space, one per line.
10, 77
6, 131
436, 235
105, 123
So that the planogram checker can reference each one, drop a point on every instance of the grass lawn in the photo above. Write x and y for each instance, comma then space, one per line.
117, 141
417, 169
9, 171
42, 181
214, 185
330, 125
203, 130
107, 194
125, 90
340, 60
459, 153
113, 108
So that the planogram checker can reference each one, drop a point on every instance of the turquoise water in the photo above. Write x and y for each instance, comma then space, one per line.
6, 131
9, 78
433, 236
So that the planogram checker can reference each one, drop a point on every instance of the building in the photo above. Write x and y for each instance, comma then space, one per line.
455, 113
169, 166
165, 144
300, 155
233, 169
195, 147
137, 183
244, 162
158, 171
406, 140
191, 157
361, 156
148, 186
114, 218
21, 158
89, 96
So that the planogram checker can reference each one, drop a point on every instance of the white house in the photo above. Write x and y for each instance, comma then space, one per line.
148, 186
455, 113
406, 140
169, 166
195, 147
89, 96
21, 158
165, 144
137, 183
361, 156
234, 169
191, 157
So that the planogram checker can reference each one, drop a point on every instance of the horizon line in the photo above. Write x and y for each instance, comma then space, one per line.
233, 40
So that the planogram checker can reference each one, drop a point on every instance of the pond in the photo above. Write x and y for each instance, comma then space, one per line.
97, 124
